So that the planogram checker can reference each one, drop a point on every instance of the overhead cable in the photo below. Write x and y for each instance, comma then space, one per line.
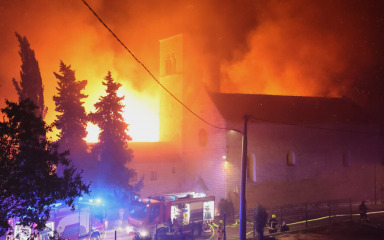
147, 70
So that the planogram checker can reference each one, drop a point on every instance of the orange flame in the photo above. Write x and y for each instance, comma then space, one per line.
141, 112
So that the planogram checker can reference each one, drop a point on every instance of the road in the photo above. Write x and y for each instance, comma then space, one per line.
376, 219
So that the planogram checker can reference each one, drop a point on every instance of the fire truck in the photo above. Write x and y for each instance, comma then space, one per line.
85, 222
169, 215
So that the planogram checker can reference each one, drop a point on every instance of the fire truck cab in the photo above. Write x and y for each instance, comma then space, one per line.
170, 214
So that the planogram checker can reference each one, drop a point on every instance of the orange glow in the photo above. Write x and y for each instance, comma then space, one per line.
140, 112
93, 133
142, 115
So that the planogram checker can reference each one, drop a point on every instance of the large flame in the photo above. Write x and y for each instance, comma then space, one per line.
298, 47
140, 112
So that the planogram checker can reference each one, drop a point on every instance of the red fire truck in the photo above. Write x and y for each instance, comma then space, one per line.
85, 222
170, 214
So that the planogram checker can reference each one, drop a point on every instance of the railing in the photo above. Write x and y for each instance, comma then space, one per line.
313, 214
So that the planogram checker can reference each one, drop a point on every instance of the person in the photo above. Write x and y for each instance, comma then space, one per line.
259, 221
284, 227
220, 230
272, 224
363, 211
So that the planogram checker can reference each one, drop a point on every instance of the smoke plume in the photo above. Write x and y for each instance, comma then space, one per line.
294, 47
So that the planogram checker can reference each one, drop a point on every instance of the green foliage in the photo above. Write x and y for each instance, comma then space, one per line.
31, 84
72, 119
33, 174
112, 149
226, 207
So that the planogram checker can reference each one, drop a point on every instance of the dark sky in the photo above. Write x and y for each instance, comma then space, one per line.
298, 47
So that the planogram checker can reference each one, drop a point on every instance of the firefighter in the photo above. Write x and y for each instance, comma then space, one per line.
220, 230
272, 224
363, 211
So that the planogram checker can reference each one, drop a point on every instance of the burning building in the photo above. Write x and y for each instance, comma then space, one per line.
300, 149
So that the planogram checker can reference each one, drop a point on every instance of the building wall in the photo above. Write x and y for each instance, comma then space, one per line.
204, 146
321, 170
160, 165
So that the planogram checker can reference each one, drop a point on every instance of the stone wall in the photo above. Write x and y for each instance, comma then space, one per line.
328, 165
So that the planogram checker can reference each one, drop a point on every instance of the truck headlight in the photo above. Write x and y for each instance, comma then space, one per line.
129, 229
143, 233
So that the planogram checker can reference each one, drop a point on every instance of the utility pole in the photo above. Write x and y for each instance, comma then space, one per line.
243, 213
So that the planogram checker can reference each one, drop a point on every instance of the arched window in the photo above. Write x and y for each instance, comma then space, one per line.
251, 159
173, 63
291, 160
168, 65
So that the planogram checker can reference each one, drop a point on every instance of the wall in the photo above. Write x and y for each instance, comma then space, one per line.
319, 172
160, 165
204, 146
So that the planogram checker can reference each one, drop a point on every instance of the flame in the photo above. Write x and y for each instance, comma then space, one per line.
140, 112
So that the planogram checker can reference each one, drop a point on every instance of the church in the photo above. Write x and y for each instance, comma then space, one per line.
300, 149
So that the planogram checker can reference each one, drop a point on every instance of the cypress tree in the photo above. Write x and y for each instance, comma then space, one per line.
72, 118
31, 84
112, 147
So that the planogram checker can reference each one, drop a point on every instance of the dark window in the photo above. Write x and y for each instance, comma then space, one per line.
154, 212
251, 166
173, 63
138, 210
168, 65
291, 160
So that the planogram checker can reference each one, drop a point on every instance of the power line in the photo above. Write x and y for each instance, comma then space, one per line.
149, 72
184, 105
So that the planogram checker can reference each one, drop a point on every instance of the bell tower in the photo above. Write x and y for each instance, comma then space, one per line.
171, 76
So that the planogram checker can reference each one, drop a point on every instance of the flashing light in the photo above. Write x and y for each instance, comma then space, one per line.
143, 233
91, 200
98, 200
197, 195
139, 200
80, 198
224, 157
129, 229
147, 205
55, 205
148, 200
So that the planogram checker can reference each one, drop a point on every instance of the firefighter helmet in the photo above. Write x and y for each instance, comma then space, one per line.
273, 216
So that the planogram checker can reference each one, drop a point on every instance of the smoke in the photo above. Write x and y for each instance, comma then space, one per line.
293, 47
311, 48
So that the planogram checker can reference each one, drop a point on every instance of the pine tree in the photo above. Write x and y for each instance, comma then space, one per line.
31, 84
33, 174
112, 148
72, 120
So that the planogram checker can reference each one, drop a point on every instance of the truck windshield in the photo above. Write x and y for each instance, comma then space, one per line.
138, 210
